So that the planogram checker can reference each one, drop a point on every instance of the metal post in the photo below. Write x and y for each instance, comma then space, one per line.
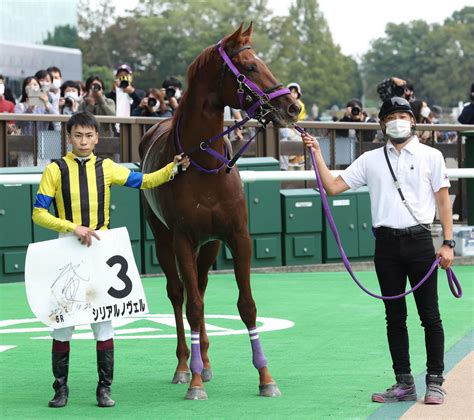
272, 142
124, 143
35, 144
63, 139
332, 148
135, 139
3, 144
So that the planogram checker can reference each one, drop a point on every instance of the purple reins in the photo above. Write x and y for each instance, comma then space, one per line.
453, 282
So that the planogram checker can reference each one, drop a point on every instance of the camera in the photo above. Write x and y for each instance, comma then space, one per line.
151, 102
96, 87
398, 90
355, 111
68, 102
123, 84
170, 92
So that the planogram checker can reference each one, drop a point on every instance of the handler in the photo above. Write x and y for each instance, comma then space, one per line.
403, 245
79, 184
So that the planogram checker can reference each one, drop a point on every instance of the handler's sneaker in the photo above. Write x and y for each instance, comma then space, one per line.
403, 390
434, 393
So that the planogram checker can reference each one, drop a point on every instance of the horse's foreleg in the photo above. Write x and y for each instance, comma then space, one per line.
207, 256
242, 250
175, 289
186, 258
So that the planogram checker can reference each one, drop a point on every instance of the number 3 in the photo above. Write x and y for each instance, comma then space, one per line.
122, 275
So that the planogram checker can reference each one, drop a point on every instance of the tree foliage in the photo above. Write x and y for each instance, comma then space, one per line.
439, 59
63, 36
160, 38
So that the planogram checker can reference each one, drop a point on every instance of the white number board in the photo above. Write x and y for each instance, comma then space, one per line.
68, 283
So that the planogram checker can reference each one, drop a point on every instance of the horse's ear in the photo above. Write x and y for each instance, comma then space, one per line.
233, 40
248, 32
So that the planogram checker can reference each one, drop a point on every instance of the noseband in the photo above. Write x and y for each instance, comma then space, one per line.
259, 108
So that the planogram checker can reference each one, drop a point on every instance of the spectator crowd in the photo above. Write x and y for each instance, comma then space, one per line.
47, 93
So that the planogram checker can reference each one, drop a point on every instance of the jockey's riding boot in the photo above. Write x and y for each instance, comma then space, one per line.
105, 369
403, 390
434, 393
60, 372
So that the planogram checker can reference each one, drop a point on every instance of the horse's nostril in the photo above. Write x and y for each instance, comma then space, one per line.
293, 110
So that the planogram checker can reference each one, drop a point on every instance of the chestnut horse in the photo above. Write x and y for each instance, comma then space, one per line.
206, 204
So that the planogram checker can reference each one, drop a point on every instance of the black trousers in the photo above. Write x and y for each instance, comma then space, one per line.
396, 257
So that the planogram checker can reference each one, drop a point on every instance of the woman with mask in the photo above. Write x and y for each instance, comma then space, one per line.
70, 99
403, 243
45, 80
34, 101
152, 105
423, 115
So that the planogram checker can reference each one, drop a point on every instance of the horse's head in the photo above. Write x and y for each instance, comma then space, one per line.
249, 84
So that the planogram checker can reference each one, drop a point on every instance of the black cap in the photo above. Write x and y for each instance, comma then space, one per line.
395, 104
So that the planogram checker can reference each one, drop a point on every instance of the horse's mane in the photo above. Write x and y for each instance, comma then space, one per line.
208, 54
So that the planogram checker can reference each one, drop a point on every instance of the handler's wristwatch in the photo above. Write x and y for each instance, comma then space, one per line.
451, 243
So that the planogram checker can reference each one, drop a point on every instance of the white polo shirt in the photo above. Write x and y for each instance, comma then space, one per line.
420, 171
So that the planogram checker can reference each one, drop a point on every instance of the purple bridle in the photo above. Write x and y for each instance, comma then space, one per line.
259, 109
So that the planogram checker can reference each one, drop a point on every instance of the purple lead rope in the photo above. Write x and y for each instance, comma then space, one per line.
453, 282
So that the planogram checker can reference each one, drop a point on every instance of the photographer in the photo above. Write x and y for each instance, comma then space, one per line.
97, 104
355, 113
70, 98
394, 86
152, 105
172, 90
123, 93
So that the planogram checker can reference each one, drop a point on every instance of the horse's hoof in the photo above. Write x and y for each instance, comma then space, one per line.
206, 374
196, 393
269, 390
181, 377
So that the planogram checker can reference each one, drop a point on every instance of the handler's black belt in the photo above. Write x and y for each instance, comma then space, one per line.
386, 231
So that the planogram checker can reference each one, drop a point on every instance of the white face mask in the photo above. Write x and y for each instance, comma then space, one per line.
72, 95
45, 87
2, 89
398, 130
57, 83
425, 112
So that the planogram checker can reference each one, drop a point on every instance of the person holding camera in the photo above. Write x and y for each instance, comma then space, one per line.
33, 101
152, 105
355, 113
97, 103
394, 86
70, 98
172, 90
123, 92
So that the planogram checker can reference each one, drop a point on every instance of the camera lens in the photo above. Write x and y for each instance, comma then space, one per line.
170, 92
96, 87
123, 84
151, 102
355, 111
68, 102
399, 90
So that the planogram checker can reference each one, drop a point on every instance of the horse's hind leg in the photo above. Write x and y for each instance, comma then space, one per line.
241, 248
207, 256
175, 289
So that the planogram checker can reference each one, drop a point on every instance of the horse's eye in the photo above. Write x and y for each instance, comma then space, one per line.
251, 68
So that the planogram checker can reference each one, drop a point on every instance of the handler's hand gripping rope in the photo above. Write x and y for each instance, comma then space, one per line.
453, 282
